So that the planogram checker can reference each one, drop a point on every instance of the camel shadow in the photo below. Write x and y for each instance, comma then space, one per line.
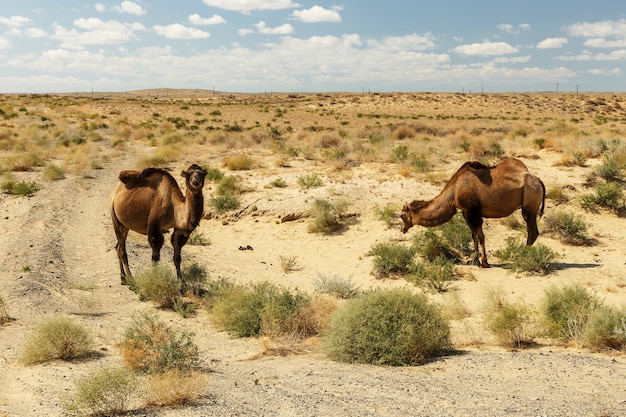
570, 265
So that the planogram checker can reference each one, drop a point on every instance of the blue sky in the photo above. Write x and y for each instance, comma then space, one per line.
312, 46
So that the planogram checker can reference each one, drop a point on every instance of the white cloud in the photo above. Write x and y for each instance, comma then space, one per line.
16, 21
130, 7
486, 48
508, 28
603, 29
318, 14
4, 43
597, 71
101, 8
178, 31
196, 19
245, 31
514, 60
550, 43
35, 33
412, 42
603, 43
94, 31
617, 55
246, 6
285, 29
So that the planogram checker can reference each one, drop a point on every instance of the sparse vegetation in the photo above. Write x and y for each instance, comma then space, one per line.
391, 259
335, 285
104, 392
4, 311
326, 216
387, 327
150, 346
175, 388
568, 227
159, 284
537, 259
289, 263
513, 324
56, 338
309, 181
387, 214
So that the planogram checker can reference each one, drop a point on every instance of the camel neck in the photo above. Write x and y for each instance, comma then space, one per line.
195, 207
438, 210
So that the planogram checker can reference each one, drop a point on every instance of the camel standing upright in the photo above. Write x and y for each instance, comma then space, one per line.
150, 202
483, 192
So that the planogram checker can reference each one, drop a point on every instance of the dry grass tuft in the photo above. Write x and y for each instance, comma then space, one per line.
175, 387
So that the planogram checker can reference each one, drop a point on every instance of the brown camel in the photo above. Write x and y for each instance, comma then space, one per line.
481, 192
150, 202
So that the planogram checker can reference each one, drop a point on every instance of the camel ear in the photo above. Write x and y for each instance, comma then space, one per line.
184, 174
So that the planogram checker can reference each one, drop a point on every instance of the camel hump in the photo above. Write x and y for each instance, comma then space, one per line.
475, 165
133, 175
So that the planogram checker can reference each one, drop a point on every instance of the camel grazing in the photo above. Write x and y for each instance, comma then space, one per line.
150, 202
481, 192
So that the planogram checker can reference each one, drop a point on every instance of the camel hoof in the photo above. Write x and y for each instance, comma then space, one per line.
485, 266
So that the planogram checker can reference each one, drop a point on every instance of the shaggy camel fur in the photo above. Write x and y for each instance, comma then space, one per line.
483, 192
150, 202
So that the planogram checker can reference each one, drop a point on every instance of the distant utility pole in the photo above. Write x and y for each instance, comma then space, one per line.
557, 89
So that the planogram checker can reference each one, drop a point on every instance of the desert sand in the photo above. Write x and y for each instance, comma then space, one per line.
58, 259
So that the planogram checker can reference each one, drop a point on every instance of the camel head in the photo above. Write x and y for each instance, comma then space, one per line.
194, 177
409, 213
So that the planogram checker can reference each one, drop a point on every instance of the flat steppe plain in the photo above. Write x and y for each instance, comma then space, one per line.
58, 256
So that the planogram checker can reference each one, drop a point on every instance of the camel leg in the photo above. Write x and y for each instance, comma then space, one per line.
475, 222
155, 239
531, 227
121, 232
179, 238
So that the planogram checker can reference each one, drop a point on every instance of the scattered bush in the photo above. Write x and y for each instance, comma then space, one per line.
150, 346
566, 311
105, 392
56, 338
53, 172
159, 284
327, 217
175, 387
610, 170
387, 214
606, 328
289, 263
512, 324
391, 259
335, 285
568, 227
435, 275
194, 279
223, 203
451, 240
309, 181
238, 162
23, 188
244, 311
4, 312
278, 183
537, 259
609, 195
387, 327
197, 238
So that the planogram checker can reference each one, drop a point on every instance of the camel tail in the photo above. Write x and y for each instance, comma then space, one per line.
543, 199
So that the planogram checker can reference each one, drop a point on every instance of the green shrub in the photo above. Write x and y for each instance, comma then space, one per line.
309, 181
56, 338
197, 238
150, 346
401, 153
435, 275
223, 203
387, 327
387, 214
238, 162
105, 392
606, 328
326, 216
278, 183
53, 172
4, 312
214, 174
245, 311
194, 279
609, 195
23, 188
451, 240
159, 284
229, 185
568, 227
610, 170
537, 259
335, 285
391, 259
566, 311
512, 324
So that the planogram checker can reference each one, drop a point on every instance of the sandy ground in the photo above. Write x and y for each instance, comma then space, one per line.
59, 259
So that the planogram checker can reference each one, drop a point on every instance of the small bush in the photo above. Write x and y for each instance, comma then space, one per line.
56, 338
159, 284
326, 217
229, 185
4, 312
568, 227
289, 263
335, 285
566, 311
537, 259
387, 327
194, 279
450, 240
278, 183
512, 324
387, 214
175, 387
238, 162
214, 174
197, 238
105, 392
391, 259
53, 172
610, 170
309, 181
150, 346
609, 195
435, 275
23, 188
606, 328
223, 203
244, 311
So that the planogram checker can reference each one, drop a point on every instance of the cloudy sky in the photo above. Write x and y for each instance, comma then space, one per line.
312, 46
